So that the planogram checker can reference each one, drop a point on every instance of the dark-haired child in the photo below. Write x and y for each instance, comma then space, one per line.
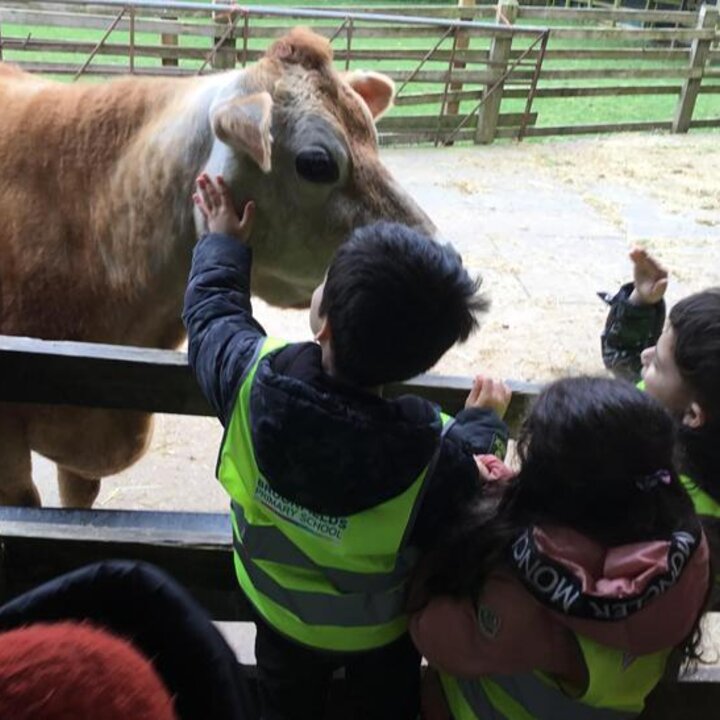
679, 363
563, 593
335, 489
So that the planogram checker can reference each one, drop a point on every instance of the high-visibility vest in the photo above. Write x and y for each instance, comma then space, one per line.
617, 688
334, 583
705, 505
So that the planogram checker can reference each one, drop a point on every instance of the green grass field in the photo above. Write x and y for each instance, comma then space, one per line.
551, 111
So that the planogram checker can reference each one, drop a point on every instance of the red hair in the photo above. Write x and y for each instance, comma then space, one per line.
75, 671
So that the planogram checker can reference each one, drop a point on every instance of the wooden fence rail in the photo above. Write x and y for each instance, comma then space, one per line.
128, 378
464, 73
38, 544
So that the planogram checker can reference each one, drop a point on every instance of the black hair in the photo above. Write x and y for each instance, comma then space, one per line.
695, 321
586, 449
396, 301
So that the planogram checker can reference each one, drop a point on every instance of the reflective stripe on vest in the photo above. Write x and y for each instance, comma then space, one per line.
336, 583
266, 542
704, 504
617, 688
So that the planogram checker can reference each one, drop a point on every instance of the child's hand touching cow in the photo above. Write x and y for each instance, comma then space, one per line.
214, 201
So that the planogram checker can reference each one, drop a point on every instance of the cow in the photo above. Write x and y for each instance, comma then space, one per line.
97, 223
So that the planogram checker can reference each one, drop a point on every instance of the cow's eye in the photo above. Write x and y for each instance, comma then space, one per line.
317, 165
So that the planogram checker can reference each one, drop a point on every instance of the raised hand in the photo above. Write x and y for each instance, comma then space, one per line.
489, 394
651, 278
214, 201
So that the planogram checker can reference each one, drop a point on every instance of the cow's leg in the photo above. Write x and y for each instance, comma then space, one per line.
76, 491
16, 485
86, 445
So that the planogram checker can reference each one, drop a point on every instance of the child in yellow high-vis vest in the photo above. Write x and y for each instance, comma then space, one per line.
563, 593
336, 490
678, 362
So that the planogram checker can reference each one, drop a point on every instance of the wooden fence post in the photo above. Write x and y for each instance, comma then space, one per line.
707, 19
507, 10
226, 52
169, 39
461, 42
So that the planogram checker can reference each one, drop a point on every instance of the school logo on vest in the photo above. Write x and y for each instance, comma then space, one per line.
326, 526
488, 622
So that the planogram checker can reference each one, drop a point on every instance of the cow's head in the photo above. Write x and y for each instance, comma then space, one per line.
300, 139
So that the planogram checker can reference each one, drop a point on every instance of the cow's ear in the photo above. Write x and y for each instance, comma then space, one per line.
376, 89
244, 124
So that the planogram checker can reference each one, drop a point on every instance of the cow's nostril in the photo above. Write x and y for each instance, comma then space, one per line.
317, 165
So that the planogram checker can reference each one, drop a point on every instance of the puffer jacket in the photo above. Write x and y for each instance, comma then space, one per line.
327, 446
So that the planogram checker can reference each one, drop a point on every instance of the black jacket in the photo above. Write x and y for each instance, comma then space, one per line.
143, 604
628, 331
327, 446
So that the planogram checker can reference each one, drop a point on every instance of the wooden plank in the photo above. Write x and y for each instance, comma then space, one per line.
683, 701
378, 30
590, 129
570, 15
121, 377
101, 22
107, 376
263, 31
461, 43
173, 41
417, 137
708, 18
35, 44
616, 90
594, 15
637, 54
474, 77
439, 11
97, 70
195, 548
499, 55
705, 124
40, 544
437, 97
614, 73
515, 119
393, 54
223, 55
425, 122
639, 35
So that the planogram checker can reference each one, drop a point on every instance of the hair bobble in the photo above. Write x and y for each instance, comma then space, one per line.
648, 482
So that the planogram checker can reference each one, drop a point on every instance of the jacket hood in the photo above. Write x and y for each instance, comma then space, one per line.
334, 449
640, 597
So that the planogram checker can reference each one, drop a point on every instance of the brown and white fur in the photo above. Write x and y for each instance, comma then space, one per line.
97, 224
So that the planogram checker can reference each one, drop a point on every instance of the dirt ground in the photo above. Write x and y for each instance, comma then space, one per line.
547, 225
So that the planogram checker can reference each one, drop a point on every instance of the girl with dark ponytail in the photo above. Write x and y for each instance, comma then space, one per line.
678, 363
565, 589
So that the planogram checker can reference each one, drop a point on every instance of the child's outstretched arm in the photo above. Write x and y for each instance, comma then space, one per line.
636, 317
222, 333
478, 430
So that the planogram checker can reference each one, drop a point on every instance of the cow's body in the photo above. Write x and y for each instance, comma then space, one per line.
97, 225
